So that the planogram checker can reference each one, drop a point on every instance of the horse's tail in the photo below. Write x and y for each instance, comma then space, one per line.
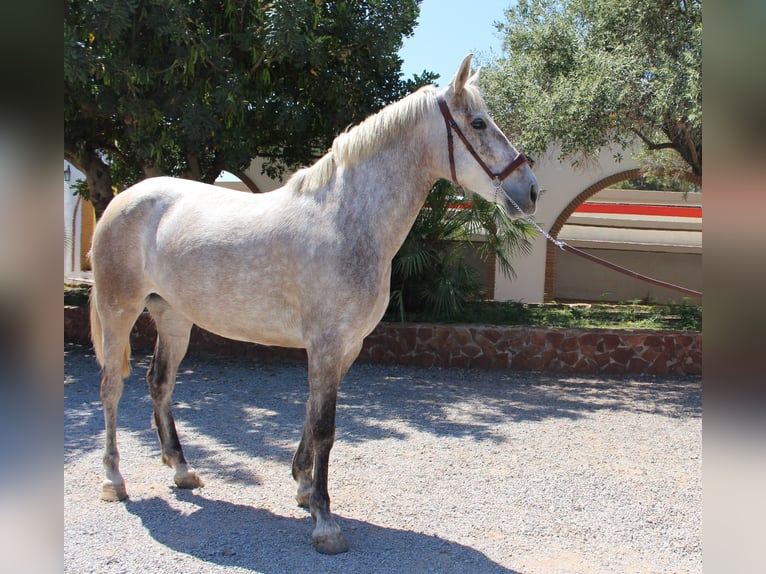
96, 335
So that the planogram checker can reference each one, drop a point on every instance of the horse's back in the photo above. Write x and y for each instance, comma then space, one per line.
138, 212
156, 195
125, 237
139, 205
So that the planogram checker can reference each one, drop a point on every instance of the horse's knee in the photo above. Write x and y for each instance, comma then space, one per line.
161, 374
322, 419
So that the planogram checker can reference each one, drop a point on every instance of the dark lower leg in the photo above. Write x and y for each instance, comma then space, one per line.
327, 536
303, 464
161, 390
161, 379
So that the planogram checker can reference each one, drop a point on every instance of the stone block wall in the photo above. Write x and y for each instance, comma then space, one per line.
607, 351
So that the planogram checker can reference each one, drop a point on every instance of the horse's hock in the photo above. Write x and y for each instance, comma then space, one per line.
607, 351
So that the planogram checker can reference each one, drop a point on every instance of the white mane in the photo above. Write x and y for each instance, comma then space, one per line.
390, 123
378, 130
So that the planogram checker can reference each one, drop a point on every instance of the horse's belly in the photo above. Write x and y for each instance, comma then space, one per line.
263, 319
282, 331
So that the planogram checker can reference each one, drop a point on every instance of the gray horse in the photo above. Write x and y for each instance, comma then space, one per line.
307, 265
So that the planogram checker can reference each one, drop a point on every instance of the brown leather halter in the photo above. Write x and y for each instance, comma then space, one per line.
451, 124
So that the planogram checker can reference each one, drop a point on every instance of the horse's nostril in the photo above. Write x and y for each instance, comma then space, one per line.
533, 193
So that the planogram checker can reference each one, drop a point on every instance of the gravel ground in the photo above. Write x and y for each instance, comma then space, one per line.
433, 471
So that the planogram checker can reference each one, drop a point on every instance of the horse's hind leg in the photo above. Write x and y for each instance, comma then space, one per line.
173, 331
113, 487
113, 326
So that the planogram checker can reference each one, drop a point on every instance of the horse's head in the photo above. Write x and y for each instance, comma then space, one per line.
480, 156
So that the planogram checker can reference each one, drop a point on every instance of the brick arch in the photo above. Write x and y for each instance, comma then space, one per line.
551, 250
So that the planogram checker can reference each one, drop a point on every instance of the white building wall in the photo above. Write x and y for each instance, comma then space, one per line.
560, 183
72, 220
264, 182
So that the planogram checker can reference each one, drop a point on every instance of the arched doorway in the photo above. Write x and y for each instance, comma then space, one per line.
553, 254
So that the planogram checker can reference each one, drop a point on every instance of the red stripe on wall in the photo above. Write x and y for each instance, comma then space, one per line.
630, 209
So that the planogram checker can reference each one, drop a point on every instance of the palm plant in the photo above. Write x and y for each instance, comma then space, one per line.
430, 274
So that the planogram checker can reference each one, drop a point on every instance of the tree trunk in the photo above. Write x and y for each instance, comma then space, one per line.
150, 170
684, 142
99, 180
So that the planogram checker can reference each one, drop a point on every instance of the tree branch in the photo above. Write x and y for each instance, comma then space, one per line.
214, 171
650, 144
74, 159
251, 185
258, 63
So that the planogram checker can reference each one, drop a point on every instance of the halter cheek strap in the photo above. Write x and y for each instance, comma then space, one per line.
451, 125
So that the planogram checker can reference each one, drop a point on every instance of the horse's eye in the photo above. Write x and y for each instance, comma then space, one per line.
478, 124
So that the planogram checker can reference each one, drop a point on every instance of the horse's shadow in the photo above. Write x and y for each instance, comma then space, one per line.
235, 535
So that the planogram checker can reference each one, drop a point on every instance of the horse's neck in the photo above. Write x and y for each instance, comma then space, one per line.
388, 189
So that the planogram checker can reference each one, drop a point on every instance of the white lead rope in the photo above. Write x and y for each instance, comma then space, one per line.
528, 218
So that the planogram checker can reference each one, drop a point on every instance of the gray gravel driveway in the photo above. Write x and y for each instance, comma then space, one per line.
432, 471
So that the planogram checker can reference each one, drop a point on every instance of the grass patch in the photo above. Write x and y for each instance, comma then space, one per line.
628, 315
76, 295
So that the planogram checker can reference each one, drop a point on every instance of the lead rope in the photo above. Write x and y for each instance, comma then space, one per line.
564, 246
528, 218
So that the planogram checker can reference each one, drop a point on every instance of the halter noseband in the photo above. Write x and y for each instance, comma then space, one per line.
451, 124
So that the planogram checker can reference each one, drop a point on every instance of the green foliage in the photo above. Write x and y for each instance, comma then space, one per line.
430, 274
629, 315
191, 88
592, 73
657, 183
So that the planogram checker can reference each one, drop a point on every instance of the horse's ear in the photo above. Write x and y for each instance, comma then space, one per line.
461, 76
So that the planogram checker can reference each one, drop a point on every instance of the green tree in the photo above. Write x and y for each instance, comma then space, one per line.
594, 73
430, 275
189, 88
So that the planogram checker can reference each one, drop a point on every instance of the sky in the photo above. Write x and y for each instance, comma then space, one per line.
447, 31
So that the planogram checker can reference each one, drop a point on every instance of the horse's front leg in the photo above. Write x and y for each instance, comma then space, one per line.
327, 536
326, 369
303, 462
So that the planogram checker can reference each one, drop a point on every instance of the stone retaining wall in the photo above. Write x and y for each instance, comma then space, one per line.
608, 351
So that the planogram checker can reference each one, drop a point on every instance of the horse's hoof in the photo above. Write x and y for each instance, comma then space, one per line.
189, 480
330, 543
112, 492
